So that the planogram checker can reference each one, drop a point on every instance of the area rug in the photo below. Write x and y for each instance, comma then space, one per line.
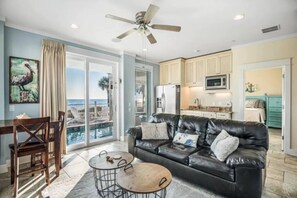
83, 186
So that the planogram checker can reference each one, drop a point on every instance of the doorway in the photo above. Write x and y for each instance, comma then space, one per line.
263, 101
91, 100
143, 93
286, 96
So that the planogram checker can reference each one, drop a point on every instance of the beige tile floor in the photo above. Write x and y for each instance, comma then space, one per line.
281, 178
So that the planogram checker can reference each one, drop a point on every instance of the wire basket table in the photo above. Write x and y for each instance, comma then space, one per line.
144, 180
105, 166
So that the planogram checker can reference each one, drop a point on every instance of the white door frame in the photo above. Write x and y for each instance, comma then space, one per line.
96, 57
285, 64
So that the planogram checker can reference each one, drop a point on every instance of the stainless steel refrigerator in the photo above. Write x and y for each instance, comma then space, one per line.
168, 99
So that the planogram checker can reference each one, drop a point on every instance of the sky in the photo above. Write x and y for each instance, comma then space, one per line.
75, 84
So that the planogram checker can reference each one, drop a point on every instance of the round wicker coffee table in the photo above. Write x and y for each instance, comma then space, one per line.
105, 171
144, 180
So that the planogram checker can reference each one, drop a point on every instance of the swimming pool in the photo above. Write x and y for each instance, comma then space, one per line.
77, 134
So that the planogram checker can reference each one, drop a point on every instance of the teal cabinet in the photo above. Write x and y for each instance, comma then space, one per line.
274, 111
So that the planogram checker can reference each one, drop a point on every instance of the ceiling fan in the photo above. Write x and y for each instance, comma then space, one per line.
143, 19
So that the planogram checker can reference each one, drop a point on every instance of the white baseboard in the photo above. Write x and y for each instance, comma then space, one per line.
23, 160
292, 152
122, 138
3, 168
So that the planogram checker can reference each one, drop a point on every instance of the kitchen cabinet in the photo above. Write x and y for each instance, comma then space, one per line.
190, 112
172, 72
220, 63
208, 114
224, 116
194, 72
274, 111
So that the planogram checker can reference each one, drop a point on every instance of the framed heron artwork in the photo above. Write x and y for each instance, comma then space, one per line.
23, 80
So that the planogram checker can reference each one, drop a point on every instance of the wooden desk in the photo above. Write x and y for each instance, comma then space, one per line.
6, 127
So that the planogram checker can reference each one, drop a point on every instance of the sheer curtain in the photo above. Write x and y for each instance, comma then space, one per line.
53, 82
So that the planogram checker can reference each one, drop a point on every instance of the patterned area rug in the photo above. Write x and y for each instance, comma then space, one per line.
83, 186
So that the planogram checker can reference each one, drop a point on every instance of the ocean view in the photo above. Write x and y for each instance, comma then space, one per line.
78, 103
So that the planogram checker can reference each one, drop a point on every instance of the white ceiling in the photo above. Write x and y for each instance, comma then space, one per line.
207, 25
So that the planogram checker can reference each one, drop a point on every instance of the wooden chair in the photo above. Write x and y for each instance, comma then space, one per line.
37, 142
61, 118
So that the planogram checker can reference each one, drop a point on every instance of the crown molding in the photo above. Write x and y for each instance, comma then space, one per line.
54, 36
128, 53
265, 41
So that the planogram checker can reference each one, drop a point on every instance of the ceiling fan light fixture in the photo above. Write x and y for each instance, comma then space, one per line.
238, 17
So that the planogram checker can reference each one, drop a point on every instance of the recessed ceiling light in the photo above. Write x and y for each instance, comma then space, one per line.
74, 26
196, 50
238, 17
144, 49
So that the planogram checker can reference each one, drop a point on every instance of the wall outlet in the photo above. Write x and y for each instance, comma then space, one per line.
11, 107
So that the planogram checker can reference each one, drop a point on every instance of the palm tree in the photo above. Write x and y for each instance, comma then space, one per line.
103, 83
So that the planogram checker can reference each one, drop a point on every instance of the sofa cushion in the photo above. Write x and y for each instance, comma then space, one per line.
193, 125
170, 119
252, 158
204, 160
177, 152
250, 134
150, 145
157, 131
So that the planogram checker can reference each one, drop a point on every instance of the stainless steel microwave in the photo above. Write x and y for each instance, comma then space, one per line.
218, 82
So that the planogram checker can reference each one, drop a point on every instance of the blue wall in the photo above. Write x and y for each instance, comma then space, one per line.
28, 45
2, 87
128, 63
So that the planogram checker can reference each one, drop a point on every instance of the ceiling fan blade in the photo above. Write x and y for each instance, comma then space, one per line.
127, 33
119, 18
151, 38
166, 27
150, 13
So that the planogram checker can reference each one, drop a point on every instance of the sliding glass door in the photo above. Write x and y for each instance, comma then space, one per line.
100, 101
143, 94
75, 81
90, 102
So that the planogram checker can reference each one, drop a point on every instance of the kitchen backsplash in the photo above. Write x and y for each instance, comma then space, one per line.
190, 94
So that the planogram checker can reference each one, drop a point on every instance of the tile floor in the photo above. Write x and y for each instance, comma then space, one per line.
281, 178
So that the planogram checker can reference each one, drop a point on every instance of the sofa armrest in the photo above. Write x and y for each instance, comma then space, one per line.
134, 133
251, 158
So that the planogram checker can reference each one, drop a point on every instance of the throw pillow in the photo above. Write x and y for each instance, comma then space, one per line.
157, 131
224, 145
261, 104
251, 103
186, 139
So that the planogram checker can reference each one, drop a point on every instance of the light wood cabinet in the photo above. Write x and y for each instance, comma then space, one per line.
220, 63
224, 116
189, 112
207, 114
164, 74
172, 72
194, 72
